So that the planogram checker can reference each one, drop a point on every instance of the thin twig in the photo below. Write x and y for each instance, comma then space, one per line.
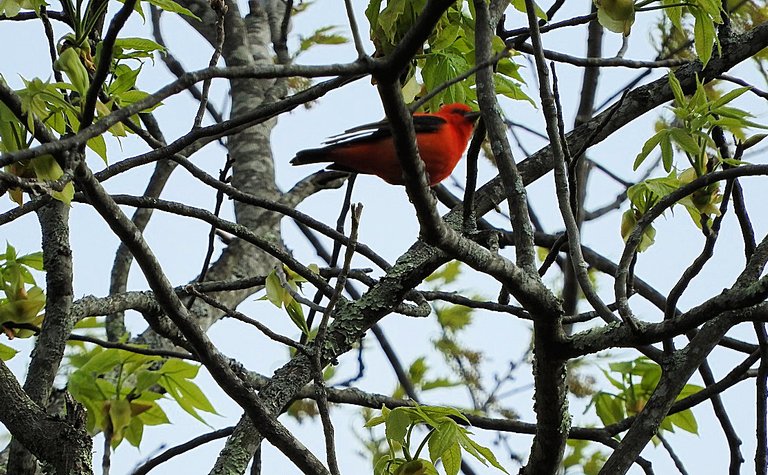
220, 7
246, 319
173, 64
605, 62
761, 389
180, 449
549, 107
469, 191
741, 82
671, 451
320, 390
223, 173
51, 41
333, 258
711, 238
524, 32
355, 30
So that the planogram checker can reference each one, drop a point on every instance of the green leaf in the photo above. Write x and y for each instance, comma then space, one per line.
446, 37
178, 368
677, 89
703, 34
650, 379
648, 147
666, 424
729, 96
134, 432
141, 45
454, 317
442, 67
125, 80
12, 132
188, 396
154, 417
322, 36
47, 168
380, 419
120, 418
754, 140
146, 379
439, 383
688, 390
296, 312
427, 414
377, 33
396, 425
661, 187
101, 361
129, 97
6, 352
616, 15
519, 5
486, 452
89, 323
418, 369
483, 454
608, 408
686, 141
713, 8
441, 413
675, 14
442, 439
173, 7
685, 420
667, 154
451, 459
416, 467
649, 237
275, 290
595, 463
509, 68
98, 145
447, 274
511, 89
616, 383
735, 163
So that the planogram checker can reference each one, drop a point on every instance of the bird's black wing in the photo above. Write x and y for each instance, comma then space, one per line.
374, 130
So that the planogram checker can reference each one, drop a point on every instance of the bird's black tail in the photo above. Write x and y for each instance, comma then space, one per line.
312, 155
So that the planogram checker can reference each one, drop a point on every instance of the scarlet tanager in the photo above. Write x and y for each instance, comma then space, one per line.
441, 137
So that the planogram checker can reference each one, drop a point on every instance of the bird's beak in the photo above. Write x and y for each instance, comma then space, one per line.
472, 116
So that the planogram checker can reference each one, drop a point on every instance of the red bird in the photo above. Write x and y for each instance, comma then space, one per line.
441, 137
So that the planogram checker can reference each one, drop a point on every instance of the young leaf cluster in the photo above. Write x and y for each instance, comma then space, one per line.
120, 391
634, 382
281, 288
695, 117
448, 52
21, 300
58, 105
444, 442
579, 460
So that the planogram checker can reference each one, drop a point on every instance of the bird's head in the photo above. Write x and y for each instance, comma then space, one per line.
460, 116
458, 112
